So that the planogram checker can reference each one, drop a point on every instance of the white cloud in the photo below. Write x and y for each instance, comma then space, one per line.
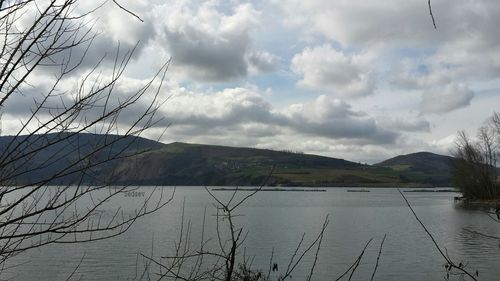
464, 48
361, 22
405, 124
262, 61
392, 22
417, 74
208, 45
243, 110
444, 145
354, 49
447, 99
326, 69
333, 118
225, 108
93, 35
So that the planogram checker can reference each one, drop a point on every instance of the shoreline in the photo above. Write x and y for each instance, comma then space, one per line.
269, 189
471, 201
489, 203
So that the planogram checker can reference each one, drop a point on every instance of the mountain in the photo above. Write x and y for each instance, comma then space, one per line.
145, 162
194, 164
35, 158
424, 167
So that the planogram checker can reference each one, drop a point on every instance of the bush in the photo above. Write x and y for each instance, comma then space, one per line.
475, 170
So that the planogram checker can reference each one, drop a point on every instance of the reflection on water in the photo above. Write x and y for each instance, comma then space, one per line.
276, 221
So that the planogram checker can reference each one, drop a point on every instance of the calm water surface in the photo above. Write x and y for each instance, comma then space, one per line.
277, 220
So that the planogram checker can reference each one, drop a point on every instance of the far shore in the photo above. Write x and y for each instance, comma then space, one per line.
477, 202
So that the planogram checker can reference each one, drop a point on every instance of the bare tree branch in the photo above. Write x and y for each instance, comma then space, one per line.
449, 263
430, 12
378, 257
50, 146
128, 11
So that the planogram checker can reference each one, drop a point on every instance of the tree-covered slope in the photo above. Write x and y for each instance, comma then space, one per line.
141, 161
424, 167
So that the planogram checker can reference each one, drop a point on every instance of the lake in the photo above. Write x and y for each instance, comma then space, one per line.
276, 221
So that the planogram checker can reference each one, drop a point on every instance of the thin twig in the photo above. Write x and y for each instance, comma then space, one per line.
432, 16
445, 256
128, 11
354, 265
317, 249
378, 257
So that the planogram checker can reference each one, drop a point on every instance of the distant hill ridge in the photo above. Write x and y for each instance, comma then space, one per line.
155, 163
420, 161
425, 166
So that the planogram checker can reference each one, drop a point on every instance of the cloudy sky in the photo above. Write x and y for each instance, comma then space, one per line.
360, 80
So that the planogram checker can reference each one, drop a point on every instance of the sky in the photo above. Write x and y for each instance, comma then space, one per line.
359, 80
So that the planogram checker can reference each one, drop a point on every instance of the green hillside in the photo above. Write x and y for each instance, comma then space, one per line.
423, 167
154, 163
193, 164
